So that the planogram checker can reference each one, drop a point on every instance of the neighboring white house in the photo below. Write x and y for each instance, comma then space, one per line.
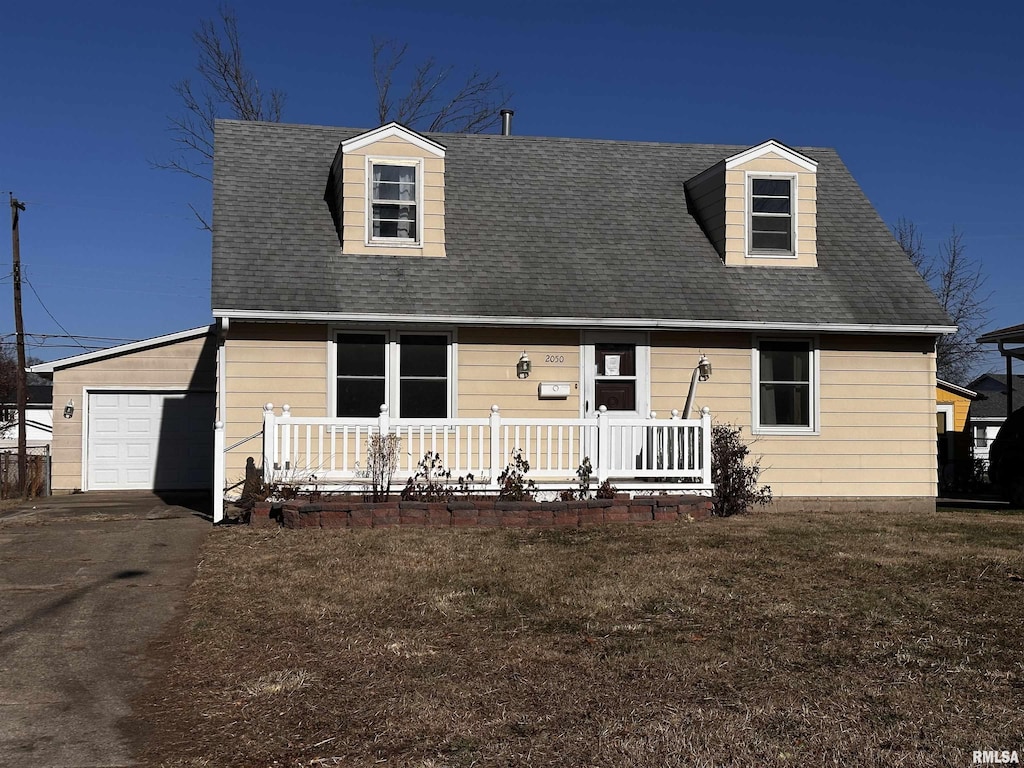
38, 419
988, 412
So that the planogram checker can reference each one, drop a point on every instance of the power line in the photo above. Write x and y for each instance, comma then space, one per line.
75, 336
51, 315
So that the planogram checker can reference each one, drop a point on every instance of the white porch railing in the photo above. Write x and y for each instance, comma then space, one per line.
669, 454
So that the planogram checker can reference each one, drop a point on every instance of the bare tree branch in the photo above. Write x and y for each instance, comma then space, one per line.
959, 284
226, 89
432, 101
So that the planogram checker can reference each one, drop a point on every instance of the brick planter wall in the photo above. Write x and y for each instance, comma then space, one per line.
482, 513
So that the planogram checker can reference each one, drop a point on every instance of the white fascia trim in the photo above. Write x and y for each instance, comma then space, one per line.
955, 389
584, 322
771, 147
392, 130
134, 346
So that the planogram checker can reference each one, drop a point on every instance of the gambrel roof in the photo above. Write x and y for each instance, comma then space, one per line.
549, 231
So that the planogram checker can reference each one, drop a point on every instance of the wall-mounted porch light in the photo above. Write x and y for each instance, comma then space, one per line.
69, 409
524, 366
701, 373
704, 366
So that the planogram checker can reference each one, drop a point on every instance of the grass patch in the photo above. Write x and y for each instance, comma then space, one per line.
771, 640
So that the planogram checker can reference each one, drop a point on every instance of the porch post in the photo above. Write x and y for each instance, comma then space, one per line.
384, 420
286, 438
495, 444
604, 448
705, 445
219, 471
269, 442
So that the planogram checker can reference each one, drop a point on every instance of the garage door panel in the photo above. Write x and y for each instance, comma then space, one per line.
145, 440
104, 426
138, 451
143, 426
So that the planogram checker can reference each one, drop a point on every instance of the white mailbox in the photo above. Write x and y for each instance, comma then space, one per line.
553, 391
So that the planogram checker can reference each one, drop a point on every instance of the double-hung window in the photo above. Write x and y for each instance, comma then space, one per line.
408, 372
771, 215
393, 203
785, 399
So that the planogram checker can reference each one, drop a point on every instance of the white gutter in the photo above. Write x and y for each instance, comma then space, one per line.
586, 322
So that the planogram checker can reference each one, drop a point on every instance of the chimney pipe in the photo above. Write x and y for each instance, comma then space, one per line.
506, 122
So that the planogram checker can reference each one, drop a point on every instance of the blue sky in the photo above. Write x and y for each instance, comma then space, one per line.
922, 100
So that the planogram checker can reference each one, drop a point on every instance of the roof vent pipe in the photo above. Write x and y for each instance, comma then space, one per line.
506, 122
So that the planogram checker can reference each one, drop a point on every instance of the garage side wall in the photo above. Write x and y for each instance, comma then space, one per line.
186, 365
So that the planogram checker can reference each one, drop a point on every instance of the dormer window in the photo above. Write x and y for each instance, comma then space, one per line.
393, 205
771, 215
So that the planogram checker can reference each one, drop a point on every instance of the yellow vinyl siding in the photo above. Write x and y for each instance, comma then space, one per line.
487, 371
276, 363
876, 421
178, 365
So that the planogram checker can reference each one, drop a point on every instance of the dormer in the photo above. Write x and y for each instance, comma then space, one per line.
759, 207
388, 193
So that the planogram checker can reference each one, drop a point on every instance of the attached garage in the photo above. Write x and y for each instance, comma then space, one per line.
141, 415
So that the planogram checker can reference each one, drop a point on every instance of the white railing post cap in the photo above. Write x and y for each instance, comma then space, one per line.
603, 409
495, 408
268, 407
286, 408
383, 407
675, 413
705, 411
218, 425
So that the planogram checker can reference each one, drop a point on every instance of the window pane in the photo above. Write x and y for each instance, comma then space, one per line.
770, 241
771, 204
360, 397
771, 223
394, 182
770, 186
361, 354
785, 361
615, 359
424, 355
424, 398
786, 405
615, 395
397, 221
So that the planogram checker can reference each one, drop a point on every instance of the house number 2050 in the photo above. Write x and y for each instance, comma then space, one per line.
554, 358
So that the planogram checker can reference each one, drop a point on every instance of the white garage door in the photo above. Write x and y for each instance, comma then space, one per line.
150, 440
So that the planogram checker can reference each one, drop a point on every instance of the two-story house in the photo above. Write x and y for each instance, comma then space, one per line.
462, 288
355, 269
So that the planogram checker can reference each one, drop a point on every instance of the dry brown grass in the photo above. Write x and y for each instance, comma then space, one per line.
781, 640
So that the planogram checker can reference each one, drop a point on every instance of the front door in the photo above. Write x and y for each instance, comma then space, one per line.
616, 374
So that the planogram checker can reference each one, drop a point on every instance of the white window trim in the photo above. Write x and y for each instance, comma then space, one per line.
755, 392
748, 212
392, 364
393, 242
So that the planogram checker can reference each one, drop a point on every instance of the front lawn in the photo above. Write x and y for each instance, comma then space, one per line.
769, 640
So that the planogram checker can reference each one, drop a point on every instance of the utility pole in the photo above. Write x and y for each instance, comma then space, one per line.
19, 329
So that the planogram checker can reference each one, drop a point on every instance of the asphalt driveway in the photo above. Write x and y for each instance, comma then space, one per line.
86, 582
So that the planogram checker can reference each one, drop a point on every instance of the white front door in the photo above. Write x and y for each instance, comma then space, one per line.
616, 367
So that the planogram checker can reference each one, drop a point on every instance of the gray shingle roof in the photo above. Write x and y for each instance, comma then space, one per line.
992, 389
542, 227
